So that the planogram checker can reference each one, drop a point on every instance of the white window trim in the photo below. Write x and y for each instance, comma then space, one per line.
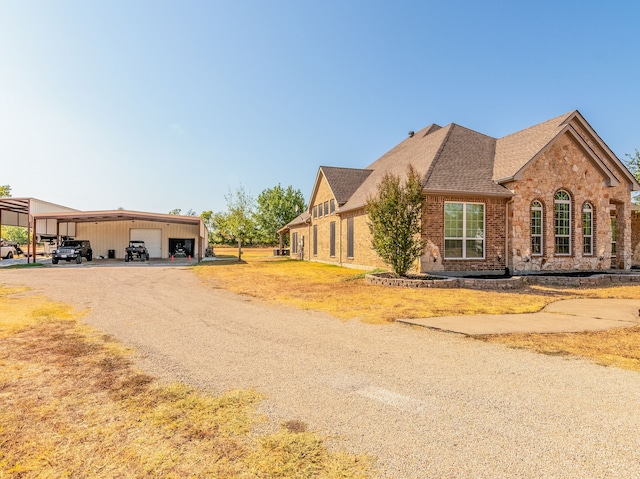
590, 210
555, 229
464, 231
541, 235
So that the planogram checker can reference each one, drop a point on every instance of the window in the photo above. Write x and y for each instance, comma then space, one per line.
587, 229
315, 240
536, 228
463, 230
315, 211
332, 239
562, 218
326, 208
332, 206
319, 210
614, 246
350, 238
294, 243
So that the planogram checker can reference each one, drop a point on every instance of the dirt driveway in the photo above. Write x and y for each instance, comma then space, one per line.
426, 403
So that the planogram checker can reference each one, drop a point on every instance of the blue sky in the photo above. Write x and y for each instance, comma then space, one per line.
155, 105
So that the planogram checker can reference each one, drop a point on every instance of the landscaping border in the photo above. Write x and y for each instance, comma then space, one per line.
515, 282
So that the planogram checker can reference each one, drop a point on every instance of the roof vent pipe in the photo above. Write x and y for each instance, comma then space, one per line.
411, 133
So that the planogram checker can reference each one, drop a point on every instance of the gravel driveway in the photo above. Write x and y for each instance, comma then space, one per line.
426, 403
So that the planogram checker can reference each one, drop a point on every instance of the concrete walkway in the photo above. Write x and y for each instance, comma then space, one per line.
566, 316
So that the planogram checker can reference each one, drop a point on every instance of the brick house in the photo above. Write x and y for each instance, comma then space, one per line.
550, 197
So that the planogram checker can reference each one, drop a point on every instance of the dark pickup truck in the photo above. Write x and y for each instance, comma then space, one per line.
72, 250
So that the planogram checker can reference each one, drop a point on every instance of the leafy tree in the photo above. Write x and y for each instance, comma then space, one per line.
219, 232
276, 207
5, 191
633, 163
176, 211
238, 223
395, 216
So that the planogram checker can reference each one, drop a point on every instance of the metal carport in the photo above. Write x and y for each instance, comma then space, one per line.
110, 229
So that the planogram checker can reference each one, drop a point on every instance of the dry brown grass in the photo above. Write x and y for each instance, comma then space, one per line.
72, 405
343, 293
616, 347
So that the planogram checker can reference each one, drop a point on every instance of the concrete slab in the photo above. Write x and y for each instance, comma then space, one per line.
566, 316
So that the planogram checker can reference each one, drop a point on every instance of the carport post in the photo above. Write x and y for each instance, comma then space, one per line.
29, 219
34, 240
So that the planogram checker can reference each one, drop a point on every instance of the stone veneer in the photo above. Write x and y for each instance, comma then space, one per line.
503, 283
566, 166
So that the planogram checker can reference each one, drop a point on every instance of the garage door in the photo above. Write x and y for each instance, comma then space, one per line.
152, 239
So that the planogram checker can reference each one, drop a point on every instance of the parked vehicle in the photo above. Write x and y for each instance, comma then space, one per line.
136, 249
7, 249
72, 250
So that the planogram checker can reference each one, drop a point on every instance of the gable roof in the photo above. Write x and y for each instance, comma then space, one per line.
514, 151
456, 160
343, 182
450, 159
297, 221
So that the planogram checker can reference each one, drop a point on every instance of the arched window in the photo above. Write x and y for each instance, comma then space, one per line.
536, 228
587, 229
562, 220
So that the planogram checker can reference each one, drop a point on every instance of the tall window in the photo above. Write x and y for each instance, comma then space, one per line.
536, 228
315, 240
315, 211
332, 239
332, 206
350, 238
463, 230
562, 218
587, 229
294, 243
326, 208
614, 245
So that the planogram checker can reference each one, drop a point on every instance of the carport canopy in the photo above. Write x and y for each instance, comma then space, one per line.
20, 212
45, 219
55, 224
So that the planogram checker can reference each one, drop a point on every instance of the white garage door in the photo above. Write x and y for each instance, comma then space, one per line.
152, 239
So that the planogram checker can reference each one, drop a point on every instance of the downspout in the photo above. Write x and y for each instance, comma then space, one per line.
507, 254
340, 242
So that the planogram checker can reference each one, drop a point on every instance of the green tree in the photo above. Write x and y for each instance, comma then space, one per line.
238, 223
176, 211
275, 208
5, 191
395, 215
633, 163
219, 233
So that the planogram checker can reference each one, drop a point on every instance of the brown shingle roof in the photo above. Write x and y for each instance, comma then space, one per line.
298, 220
455, 159
419, 150
344, 181
452, 159
465, 164
514, 151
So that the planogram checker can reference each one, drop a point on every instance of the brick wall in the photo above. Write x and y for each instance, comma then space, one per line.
433, 234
